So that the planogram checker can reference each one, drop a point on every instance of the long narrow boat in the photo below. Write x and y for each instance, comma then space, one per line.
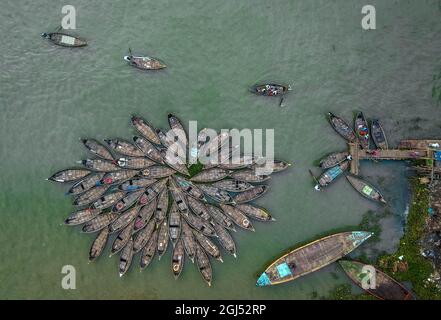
250, 175
199, 208
208, 245
100, 165
99, 244
149, 250
365, 189
255, 212
273, 167
270, 89
142, 237
378, 135
216, 194
97, 149
233, 185
135, 162
82, 216
145, 215
225, 239
148, 148
178, 129
144, 62
124, 219
118, 176
362, 130
146, 129
64, 39
386, 288
251, 194
312, 257
238, 217
174, 224
203, 263
69, 175
90, 195
188, 240
189, 188
126, 257
331, 174
124, 147
210, 175
178, 259
333, 159
341, 127
86, 184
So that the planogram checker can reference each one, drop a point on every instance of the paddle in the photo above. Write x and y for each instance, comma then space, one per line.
313, 177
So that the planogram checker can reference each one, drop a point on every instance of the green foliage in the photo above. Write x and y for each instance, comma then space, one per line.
194, 169
344, 292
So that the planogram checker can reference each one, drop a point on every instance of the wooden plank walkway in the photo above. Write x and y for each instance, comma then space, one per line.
419, 144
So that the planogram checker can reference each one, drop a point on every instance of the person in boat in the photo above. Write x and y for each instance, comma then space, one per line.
45, 35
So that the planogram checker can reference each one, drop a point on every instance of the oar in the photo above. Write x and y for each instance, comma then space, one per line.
317, 186
281, 102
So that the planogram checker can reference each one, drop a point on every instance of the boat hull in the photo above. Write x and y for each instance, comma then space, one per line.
378, 135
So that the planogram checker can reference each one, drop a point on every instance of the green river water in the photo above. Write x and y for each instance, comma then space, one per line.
50, 96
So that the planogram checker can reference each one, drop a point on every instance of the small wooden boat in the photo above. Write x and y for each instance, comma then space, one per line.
152, 192
216, 194
108, 200
378, 135
178, 259
365, 189
233, 185
188, 240
342, 128
145, 215
362, 130
144, 62
162, 205
198, 208
312, 257
204, 266
135, 162
174, 224
225, 239
124, 219
157, 172
179, 198
82, 216
251, 195
222, 157
64, 39
126, 257
189, 188
124, 147
270, 89
210, 175
213, 145
199, 224
333, 159
146, 129
255, 212
99, 244
90, 195
86, 184
97, 149
220, 217
149, 250
122, 239
69, 175
178, 129
100, 222
208, 245
142, 237
238, 217
163, 238
175, 162
148, 148
118, 176
331, 174
136, 184
166, 139
100, 165
239, 162
272, 166
249, 175
386, 288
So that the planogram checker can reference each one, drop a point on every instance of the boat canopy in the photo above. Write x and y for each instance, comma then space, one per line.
367, 190
284, 270
438, 155
263, 280
334, 172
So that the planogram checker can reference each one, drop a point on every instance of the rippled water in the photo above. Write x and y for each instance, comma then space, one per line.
51, 96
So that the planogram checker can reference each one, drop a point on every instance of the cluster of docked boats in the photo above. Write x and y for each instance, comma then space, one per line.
131, 189
336, 163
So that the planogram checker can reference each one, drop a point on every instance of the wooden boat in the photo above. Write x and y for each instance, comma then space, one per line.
90, 195
148, 149
188, 240
135, 162
145, 214
82, 216
124, 147
163, 238
99, 165
273, 166
365, 189
342, 128
222, 157
129, 199
251, 195
239, 162
220, 217
255, 212
362, 130
99, 222
178, 259
233, 185
331, 174
249, 175
378, 135
166, 139
312, 257
198, 208
386, 288
86, 184
179, 198
174, 224
199, 224
333, 159
178, 129
146, 129
225, 239
126, 257
149, 250
216, 194
97, 149
124, 219
99, 244
122, 239
153, 191
210, 175
64, 39
238, 217
175, 162
144, 62
204, 265
162, 205
69, 175
270, 89
157, 172
108, 200
142, 237
118, 176
189, 188
136, 184
208, 245
213, 145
